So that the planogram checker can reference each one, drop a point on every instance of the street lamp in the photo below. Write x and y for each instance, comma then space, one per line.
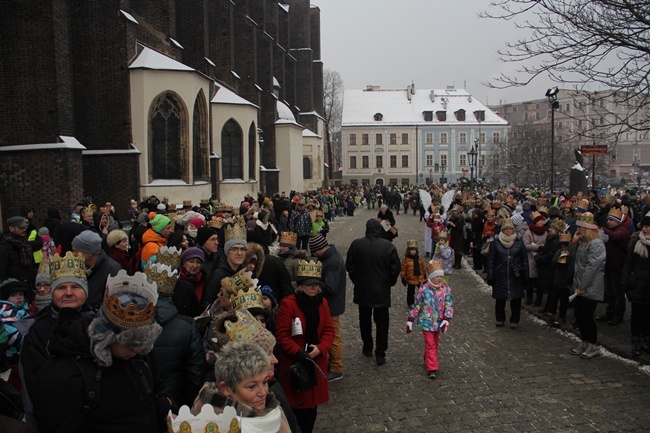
551, 96
472, 164
443, 179
430, 176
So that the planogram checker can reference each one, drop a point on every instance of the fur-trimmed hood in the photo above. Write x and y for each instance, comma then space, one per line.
258, 251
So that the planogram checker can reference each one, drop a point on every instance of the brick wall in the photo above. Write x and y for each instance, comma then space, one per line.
111, 178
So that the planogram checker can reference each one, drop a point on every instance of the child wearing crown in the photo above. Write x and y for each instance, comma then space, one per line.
434, 309
413, 271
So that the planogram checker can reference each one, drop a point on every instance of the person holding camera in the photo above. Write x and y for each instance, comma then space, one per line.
506, 271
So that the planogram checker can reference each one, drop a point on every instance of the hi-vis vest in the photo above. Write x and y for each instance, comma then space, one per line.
38, 255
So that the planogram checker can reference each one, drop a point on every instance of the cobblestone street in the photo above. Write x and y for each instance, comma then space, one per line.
490, 379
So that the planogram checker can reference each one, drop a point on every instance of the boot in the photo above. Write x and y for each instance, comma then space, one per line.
636, 347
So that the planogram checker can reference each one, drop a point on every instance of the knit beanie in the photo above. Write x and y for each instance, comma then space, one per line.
159, 222
203, 234
10, 286
317, 242
517, 219
197, 222
88, 242
192, 253
232, 242
268, 292
143, 218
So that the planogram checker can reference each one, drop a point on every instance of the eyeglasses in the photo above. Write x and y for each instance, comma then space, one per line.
238, 249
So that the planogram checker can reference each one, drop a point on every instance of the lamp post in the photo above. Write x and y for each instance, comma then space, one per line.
480, 117
551, 96
436, 166
430, 176
443, 179
472, 164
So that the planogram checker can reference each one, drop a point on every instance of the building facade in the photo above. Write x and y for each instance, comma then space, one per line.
588, 118
415, 136
122, 99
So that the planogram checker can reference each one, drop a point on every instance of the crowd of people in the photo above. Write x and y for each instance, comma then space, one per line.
178, 312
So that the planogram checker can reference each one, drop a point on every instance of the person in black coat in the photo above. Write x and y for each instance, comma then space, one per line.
507, 269
544, 261
456, 225
374, 266
53, 221
16, 255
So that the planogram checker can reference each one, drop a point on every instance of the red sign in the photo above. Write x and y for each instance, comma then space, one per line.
593, 149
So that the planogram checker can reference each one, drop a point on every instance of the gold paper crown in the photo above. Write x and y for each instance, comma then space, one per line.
88, 210
170, 256
248, 297
309, 269
616, 213
496, 204
237, 230
625, 210
565, 237
205, 201
164, 276
543, 209
223, 207
44, 266
241, 280
490, 213
245, 329
216, 222
434, 265
207, 421
187, 203
130, 316
586, 218
68, 266
584, 203
534, 215
289, 238
412, 243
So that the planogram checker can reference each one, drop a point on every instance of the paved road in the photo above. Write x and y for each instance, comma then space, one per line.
490, 379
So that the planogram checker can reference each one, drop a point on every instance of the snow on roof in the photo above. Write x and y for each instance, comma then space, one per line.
226, 96
150, 59
284, 112
309, 133
276, 83
67, 142
175, 42
360, 107
129, 17
284, 6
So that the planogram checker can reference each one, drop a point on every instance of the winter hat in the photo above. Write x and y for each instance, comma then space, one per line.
17, 221
88, 242
519, 209
435, 268
268, 292
317, 242
115, 237
192, 253
11, 285
517, 219
203, 234
159, 222
373, 226
161, 207
586, 220
143, 218
43, 231
197, 222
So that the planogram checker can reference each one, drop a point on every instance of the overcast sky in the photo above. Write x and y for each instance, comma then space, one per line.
434, 43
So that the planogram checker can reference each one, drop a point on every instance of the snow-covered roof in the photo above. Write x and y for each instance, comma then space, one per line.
226, 96
65, 142
360, 107
309, 133
284, 112
151, 59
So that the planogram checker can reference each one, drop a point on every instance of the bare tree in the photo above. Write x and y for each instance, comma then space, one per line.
583, 42
332, 95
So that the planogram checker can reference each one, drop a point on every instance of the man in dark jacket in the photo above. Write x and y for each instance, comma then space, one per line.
373, 265
16, 256
333, 288
616, 228
98, 265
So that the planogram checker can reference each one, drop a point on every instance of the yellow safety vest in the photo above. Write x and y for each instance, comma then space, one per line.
38, 255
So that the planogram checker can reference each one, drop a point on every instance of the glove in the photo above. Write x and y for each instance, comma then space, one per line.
444, 325
302, 356
404, 281
409, 327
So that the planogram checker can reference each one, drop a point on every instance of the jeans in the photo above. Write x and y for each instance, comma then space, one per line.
613, 295
584, 310
336, 350
515, 310
381, 318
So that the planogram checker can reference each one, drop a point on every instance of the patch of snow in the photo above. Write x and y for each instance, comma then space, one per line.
129, 17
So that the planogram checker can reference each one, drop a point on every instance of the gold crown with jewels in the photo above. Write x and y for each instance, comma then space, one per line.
434, 265
170, 256
207, 421
130, 316
68, 266
412, 243
223, 207
237, 230
565, 237
309, 269
164, 276
289, 238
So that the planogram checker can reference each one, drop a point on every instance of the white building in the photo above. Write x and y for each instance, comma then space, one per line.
410, 136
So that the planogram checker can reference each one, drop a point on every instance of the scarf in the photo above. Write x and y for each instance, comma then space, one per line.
264, 225
309, 306
506, 240
641, 247
24, 250
416, 263
538, 230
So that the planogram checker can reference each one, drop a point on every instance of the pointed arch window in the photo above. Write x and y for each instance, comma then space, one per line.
167, 159
200, 157
232, 152
252, 162
306, 168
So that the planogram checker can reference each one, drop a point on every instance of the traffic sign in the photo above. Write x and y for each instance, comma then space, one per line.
593, 149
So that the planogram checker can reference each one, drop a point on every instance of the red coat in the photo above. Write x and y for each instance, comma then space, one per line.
290, 346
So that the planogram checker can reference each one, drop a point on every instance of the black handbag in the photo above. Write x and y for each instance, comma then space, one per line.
303, 375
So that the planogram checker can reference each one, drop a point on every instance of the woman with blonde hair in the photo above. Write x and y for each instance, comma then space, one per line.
589, 282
